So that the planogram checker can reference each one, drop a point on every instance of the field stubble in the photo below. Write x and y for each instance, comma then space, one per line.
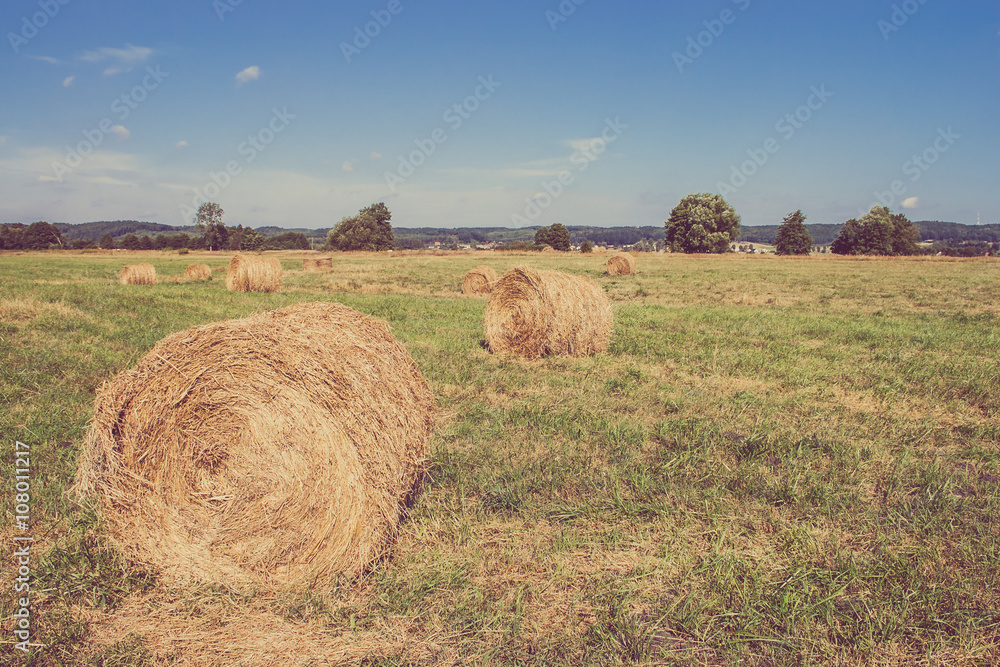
779, 461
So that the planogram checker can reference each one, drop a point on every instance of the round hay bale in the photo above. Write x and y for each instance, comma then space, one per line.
548, 248
138, 274
276, 450
253, 273
317, 264
479, 280
534, 313
197, 272
621, 264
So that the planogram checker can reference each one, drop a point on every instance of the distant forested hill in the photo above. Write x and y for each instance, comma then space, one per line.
947, 233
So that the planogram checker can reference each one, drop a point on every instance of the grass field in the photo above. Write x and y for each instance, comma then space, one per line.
778, 462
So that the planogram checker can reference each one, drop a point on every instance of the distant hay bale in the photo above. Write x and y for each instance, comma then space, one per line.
318, 264
253, 273
535, 313
479, 280
621, 264
278, 450
197, 272
138, 274
548, 248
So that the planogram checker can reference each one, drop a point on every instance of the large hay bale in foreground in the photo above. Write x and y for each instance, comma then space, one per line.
277, 450
253, 273
138, 274
479, 280
621, 264
534, 313
317, 264
197, 272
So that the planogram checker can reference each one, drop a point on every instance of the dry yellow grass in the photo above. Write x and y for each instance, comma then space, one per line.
197, 272
536, 313
479, 280
281, 448
138, 274
317, 264
253, 273
621, 264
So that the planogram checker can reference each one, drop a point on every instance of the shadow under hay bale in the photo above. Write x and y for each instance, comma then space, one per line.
535, 313
138, 274
318, 264
277, 450
479, 280
621, 264
251, 273
197, 272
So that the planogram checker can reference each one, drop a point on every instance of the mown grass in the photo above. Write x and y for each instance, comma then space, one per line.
779, 461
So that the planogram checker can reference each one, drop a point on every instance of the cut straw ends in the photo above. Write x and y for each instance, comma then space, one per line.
253, 273
479, 280
278, 450
621, 264
536, 313
138, 274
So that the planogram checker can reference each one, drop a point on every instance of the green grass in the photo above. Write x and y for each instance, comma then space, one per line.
779, 461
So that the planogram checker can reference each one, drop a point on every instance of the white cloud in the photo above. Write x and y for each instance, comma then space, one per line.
347, 166
121, 131
912, 202
130, 55
68, 81
375, 155
181, 144
46, 59
111, 71
249, 74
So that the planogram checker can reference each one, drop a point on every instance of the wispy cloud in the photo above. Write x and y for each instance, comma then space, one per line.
249, 74
130, 55
911, 203
347, 166
46, 59
375, 155
121, 132
68, 81
181, 144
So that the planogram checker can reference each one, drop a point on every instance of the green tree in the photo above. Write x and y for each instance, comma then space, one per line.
542, 236
702, 222
368, 230
877, 232
130, 242
251, 240
559, 237
106, 242
145, 243
793, 238
586, 247
209, 222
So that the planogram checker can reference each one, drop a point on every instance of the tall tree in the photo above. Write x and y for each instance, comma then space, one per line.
106, 242
559, 237
877, 232
368, 230
793, 238
209, 222
130, 242
702, 222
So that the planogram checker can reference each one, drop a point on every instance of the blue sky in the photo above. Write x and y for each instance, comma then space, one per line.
497, 113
